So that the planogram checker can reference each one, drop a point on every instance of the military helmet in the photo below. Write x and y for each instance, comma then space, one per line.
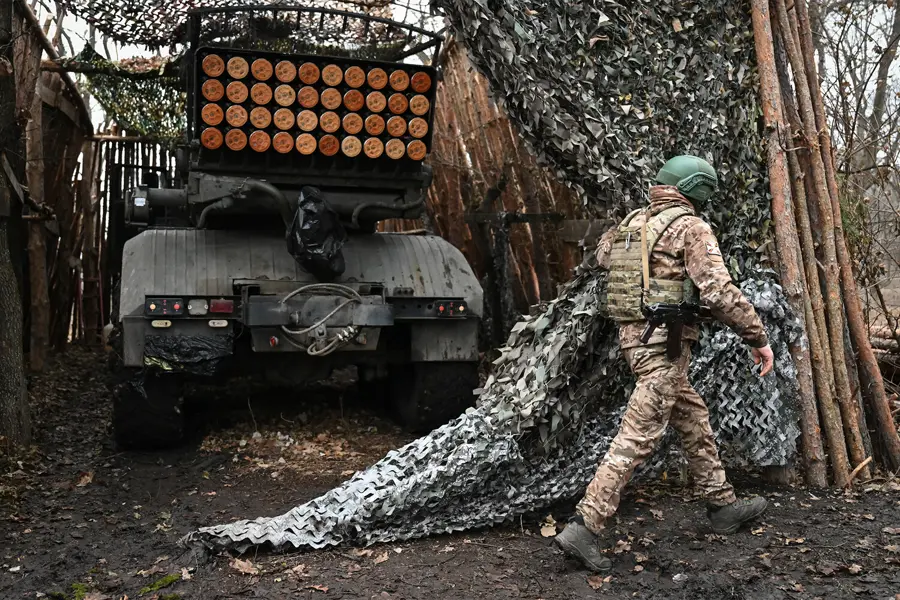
694, 177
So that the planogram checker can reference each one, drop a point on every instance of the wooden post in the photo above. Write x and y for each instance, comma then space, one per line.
833, 304
870, 375
37, 245
786, 236
90, 275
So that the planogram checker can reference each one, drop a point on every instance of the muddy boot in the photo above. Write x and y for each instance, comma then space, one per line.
728, 518
579, 542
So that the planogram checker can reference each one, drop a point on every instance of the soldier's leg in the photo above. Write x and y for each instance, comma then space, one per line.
690, 418
659, 381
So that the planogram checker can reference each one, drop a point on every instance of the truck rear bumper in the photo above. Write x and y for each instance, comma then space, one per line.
405, 281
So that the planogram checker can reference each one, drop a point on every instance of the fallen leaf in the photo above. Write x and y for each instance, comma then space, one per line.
622, 546
758, 531
318, 588
855, 569
244, 566
893, 549
398, 550
676, 25
381, 558
85, 479
446, 549
361, 552
151, 571
869, 517
891, 530
638, 557
595, 581
638, 568
657, 514
95, 596
794, 541
185, 575
15, 569
548, 530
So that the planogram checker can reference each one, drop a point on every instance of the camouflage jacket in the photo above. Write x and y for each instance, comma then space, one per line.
688, 248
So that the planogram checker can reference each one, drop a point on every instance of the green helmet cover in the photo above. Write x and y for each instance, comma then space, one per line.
694, 177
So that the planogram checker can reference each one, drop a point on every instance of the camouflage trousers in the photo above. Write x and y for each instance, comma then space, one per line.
662, 396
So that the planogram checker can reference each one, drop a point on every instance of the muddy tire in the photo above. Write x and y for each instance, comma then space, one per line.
426, 395
148, 411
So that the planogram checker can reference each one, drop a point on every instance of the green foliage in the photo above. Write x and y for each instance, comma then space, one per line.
605, 92
161, 583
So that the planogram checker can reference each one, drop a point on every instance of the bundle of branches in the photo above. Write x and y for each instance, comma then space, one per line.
816, 266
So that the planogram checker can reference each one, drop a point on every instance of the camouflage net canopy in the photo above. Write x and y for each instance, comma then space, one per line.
152, 103
162, 24
604, 92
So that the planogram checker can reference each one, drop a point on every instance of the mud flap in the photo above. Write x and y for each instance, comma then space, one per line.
193, 354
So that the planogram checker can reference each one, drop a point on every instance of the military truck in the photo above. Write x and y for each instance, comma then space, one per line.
267, 261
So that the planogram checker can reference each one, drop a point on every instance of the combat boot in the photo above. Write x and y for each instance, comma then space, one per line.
579, 542
728, 518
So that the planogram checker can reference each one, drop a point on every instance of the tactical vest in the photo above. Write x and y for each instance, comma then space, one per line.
630, 286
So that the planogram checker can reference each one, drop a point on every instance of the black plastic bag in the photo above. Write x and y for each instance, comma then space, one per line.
317, 236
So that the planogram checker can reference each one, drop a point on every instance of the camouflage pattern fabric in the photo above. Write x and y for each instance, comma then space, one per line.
688, 248
663, 395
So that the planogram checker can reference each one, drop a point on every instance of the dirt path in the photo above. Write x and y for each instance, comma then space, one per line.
80, 521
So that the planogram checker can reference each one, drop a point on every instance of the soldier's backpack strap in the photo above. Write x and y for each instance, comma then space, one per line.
630, 216
660, 222
652, 230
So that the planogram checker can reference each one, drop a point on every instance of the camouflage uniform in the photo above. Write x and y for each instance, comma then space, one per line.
663, 395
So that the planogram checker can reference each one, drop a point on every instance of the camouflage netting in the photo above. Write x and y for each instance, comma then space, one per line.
152, 104
145, 98
603, 91
543, 421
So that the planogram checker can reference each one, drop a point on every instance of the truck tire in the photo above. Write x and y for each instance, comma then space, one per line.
147, 411
426, 395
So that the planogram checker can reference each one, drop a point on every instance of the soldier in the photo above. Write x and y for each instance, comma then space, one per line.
661, 254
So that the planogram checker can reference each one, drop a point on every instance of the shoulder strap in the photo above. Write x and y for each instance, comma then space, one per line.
630, 216
650, 235
659, 223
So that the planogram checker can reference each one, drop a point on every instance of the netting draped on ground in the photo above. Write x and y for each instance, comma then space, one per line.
541, 425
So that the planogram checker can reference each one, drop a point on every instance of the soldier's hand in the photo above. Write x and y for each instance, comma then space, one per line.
764, 355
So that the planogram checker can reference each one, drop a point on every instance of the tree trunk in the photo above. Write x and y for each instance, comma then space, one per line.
786, 238
14, 420
833, 304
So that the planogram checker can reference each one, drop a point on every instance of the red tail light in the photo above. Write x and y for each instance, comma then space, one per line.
221, 306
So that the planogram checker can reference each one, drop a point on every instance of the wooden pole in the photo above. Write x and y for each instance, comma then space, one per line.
816, 325
37, 244
786, 237
870, 375
833, 304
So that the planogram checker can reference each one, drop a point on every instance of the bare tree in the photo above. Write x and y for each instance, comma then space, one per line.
14, 422
858, 43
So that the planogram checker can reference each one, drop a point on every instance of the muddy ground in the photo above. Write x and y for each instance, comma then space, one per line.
82, 521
